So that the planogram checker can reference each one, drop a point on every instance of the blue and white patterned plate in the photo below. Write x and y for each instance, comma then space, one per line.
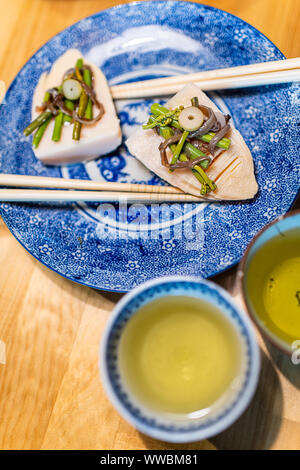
116, 248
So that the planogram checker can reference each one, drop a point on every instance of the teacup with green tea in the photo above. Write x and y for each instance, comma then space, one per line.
270, 273
178, 359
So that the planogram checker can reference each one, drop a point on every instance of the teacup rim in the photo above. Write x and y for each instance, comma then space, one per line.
272, 338
194, 434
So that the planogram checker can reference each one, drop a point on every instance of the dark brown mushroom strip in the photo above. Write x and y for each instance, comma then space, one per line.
89, 122
219, 135
51, 106
53, 92
222, 120
69, 73
59, 102
40, 109
92, 95
199, 144
163, 148
208, 124
189, 163
177, 131
163, 157
171, 140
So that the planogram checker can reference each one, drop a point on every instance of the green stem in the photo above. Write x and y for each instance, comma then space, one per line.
193, 151
83, 101
57, 127
204, 188
167, 132
42, 127
47, 97
87, 77
195, 101
76, 130
69, 105
79, 63
149, 125
158, 109
39, 133
179, 146
223, 143
198, 172
207, 180
43, 117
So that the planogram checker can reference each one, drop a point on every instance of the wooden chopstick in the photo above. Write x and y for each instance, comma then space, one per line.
2, 90
265, 73
86, 190
40, 195
220, 84
28, 181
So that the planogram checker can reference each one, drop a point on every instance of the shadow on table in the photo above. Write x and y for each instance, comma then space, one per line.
111, 296
81, 292
256, 429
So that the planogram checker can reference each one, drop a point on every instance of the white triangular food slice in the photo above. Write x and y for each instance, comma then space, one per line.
232, 170
95, 140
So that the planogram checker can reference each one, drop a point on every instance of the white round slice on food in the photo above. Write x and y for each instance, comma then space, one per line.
71, 89
95, 140
191, 118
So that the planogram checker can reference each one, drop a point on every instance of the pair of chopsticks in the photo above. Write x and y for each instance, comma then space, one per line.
85, 190
54, 189
265, 73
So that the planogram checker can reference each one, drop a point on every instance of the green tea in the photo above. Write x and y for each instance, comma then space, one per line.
179, 355
274, 284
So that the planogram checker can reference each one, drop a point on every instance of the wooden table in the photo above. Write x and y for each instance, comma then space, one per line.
51, 396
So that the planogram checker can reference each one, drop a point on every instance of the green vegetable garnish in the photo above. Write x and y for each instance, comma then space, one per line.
79, 63
179, 146
158, 110
40, 132
74, 97
206, 183
71, 106
87, 78
43, 117
57, 127
83, 102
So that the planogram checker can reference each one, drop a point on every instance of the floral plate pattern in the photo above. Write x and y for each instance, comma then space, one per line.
116, 247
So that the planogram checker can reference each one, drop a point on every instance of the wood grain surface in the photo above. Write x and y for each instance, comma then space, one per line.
50, 393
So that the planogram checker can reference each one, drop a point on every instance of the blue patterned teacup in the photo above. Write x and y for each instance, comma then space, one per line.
180, 428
